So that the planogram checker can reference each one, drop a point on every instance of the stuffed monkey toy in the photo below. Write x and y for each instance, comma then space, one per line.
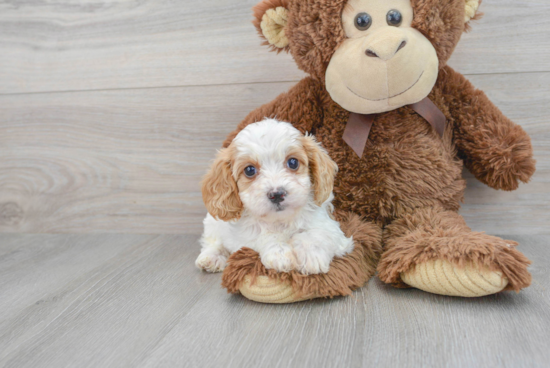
400, 124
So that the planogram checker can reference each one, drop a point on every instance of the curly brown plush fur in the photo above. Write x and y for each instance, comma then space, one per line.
434, 233
494, 149
407, 172
259, 10
345, 275
315, 29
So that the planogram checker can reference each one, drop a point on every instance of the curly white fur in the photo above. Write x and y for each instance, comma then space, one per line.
295, 234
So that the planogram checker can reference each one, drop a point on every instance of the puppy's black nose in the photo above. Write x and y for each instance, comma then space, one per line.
277, 196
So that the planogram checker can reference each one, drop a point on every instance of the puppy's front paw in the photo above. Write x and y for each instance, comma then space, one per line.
211, 262
279, 259
312, 260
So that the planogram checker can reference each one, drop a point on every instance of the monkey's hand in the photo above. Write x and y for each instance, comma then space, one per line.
500, 157
494, 149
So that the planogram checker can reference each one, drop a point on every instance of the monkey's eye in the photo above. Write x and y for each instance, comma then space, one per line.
394, 18
363, 21
292, 164
250, 171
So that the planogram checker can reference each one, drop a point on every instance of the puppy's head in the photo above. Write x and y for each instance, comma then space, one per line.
270, 169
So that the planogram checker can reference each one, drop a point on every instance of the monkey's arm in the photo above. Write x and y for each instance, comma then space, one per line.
494, 149
299, 106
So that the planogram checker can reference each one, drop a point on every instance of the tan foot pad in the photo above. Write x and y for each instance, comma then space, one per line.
445, 278
270, 290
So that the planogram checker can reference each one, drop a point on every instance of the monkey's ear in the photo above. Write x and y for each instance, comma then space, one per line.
270, 19
471, 10
219, 190
323, 169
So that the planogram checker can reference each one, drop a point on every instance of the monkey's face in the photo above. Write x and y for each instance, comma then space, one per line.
384, 63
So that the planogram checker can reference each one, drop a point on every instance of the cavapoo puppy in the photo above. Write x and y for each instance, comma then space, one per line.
271, 190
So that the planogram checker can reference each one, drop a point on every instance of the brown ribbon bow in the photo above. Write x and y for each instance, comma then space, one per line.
358, 127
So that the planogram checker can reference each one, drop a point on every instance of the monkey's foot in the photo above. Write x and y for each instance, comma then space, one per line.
444, 278
434, 250
245, 273
268, 290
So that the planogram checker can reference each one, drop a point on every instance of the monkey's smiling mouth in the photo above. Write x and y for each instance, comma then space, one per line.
387, 98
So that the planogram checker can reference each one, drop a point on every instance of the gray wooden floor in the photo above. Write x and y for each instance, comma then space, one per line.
137, 301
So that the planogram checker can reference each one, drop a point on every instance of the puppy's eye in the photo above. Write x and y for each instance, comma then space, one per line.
394, 18
293, 164
363, 21
250, 171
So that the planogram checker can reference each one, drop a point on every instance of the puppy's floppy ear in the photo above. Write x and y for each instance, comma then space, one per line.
323, 169
270, 19
219, 190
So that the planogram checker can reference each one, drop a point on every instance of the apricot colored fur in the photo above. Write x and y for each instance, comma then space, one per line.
322, 170
219, 189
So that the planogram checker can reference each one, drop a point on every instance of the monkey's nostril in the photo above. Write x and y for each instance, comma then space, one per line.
371, 53
403, 44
